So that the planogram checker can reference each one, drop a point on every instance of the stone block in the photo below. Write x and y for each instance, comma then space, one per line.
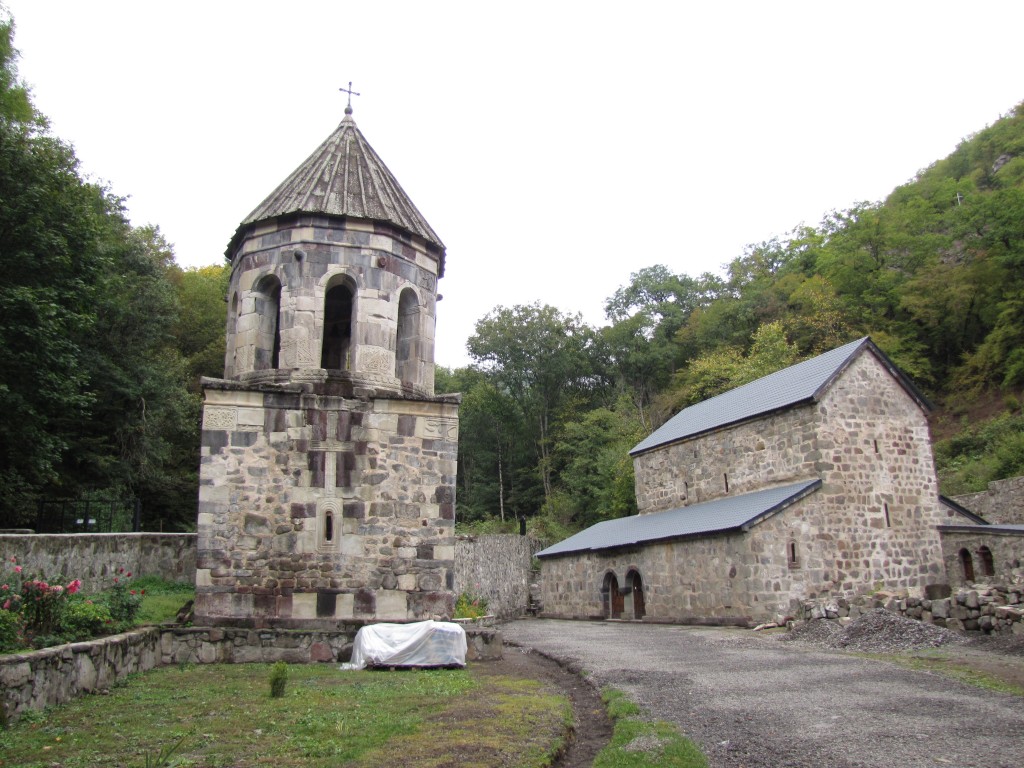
392, 605
303, 605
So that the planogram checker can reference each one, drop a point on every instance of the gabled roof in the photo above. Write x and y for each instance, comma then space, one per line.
730, 513
344, 177
804, 382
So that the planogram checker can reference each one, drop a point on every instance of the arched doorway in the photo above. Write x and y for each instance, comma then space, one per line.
967, 565
635, 587
988, 566
611, 597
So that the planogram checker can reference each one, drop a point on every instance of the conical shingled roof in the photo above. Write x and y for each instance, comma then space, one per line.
345, 177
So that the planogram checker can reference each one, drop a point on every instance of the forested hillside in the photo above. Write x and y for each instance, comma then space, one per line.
103, 336
934, 274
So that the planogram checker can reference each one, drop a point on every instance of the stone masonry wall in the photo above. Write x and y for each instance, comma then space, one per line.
775, 450
726, 579
317, 508
1005, 554
497, 567
96, 557
873, 519
1002, 503
879, 488
39, 679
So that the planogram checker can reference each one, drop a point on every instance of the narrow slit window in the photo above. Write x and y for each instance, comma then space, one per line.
725, 477
876, 446
791, 555
328, 526
888, 520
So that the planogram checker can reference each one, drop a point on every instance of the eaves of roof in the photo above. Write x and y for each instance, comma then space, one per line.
726, 514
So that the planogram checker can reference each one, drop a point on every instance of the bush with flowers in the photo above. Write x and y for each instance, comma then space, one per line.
35, 612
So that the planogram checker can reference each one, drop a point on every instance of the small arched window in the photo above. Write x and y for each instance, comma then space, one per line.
988, 566
336, 353
967, 564
407, 341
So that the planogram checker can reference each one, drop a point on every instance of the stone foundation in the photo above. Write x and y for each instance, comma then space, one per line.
44, 678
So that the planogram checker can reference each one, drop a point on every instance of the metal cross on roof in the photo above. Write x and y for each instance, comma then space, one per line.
351, 93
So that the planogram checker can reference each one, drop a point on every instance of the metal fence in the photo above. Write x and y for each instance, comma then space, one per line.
88, 516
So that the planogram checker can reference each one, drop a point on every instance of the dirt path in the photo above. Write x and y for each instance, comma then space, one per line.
752, 701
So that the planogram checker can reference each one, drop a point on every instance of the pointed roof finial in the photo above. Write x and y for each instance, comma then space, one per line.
351, 93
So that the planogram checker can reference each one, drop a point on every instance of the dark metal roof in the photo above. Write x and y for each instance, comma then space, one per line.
1017, 530
344, 177
804, 382
729, 513
962, 510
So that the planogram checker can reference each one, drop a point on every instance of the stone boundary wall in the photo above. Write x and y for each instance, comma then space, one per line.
96, 557
50, 676
980, 608
1002, 503
497, 567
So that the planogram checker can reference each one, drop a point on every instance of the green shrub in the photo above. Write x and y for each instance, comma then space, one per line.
83, 619
122, 602
470, 606
11, 631
278, 679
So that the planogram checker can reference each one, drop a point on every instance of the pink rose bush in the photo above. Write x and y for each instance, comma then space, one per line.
35, 612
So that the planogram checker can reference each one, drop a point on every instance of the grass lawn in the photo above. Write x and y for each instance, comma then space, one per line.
163, 599
223, 716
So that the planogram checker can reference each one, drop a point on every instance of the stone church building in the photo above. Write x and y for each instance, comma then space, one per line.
327, 481
816, 481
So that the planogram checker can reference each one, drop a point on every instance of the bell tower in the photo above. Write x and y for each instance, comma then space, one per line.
327, 481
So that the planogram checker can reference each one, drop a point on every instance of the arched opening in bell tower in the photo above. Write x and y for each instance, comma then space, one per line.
336, 353
268, 309
406, 346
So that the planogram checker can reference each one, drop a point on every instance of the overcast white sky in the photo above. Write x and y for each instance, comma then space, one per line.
555, 147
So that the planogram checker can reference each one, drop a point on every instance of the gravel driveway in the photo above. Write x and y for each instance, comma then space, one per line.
750, 700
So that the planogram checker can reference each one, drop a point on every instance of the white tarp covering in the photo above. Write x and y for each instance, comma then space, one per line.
421, 644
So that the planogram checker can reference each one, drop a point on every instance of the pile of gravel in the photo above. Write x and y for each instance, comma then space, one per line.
879, 631
818, 632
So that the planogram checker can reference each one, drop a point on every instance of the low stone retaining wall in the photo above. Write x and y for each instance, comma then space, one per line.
96, 557
57, 675
980, 608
